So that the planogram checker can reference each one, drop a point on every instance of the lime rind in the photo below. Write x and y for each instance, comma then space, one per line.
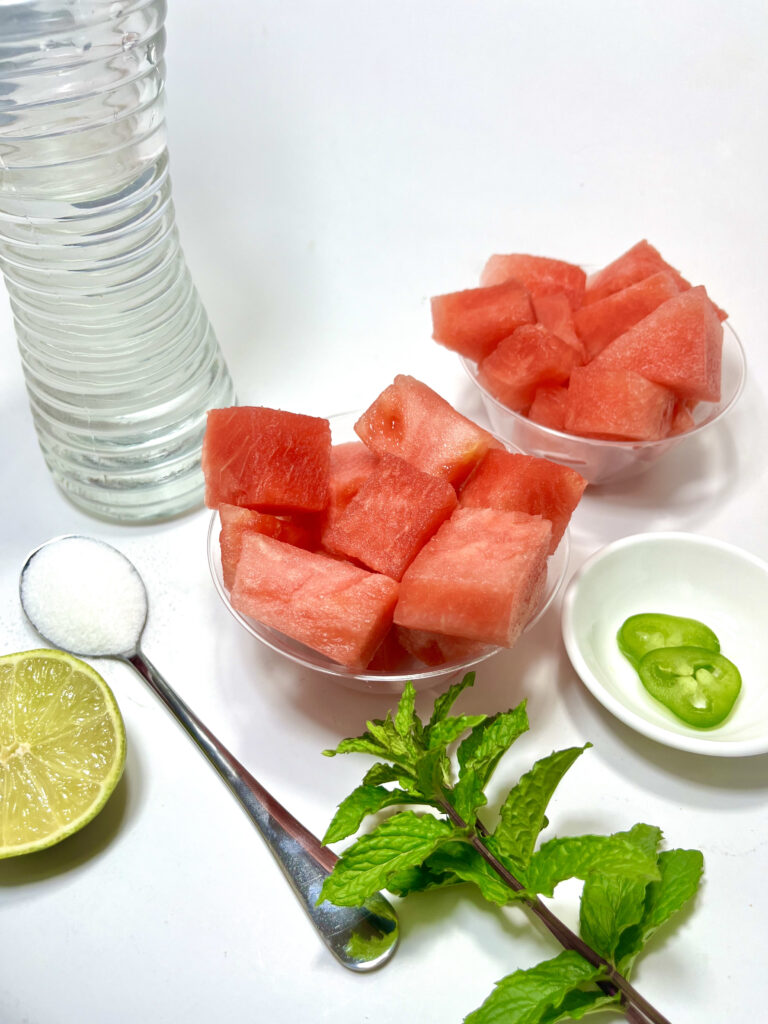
46, 796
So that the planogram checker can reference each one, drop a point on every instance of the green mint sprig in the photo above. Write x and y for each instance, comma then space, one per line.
631, 887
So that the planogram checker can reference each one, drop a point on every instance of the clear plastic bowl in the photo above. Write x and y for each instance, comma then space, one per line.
419, 674
603, 461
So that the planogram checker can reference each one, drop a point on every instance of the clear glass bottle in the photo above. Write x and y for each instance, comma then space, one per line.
119, 358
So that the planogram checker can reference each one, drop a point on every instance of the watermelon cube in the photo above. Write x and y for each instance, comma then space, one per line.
678, 345
435, 649
472, 322
637, 263
266, 459
540, 275
236, 522
396, 510
682, 417
530, 358
480, 577
548, 407
351, 463
618, 405
337, 609
412, 421
525, 484
390, 655
554, 312
600, 322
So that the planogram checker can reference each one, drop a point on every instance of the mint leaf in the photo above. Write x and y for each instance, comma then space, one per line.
399, 740
610, 904
483, 748
465, 863
448, 730
479, 754
534, 995
522, 814
629, 891
681, 872
398, 748
578, 1004
467, 795
419, 879
365, 744
680, 875
445, 701
432, 771
579, 856
644, 837
402, 841
363, 801
405, 716
381, 773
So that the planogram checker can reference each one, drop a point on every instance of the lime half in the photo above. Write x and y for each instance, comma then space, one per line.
62, 748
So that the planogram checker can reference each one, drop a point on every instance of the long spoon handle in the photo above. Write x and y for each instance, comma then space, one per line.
361, 938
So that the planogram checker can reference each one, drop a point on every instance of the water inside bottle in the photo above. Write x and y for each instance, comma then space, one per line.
120, 360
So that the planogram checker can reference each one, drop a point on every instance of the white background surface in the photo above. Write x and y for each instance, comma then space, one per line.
334, 165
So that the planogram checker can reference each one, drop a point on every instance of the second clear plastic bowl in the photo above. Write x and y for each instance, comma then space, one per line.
610, 461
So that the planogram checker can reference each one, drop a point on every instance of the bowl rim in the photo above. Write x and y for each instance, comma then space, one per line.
698, 741
470, 368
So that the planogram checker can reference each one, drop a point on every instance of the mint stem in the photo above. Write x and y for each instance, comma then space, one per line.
637, 1009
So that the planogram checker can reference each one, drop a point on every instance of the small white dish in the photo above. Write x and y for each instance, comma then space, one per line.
677, 574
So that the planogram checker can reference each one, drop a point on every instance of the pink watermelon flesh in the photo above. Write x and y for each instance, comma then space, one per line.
390, 655
396, 510
548, 407
600, 322
236, 522
618, 405
335, 608
473, 321
266, 459
351, 463
435, 649
526, 484
530, 358
410, 420
554, 312
682, 418
540, 275
478, 578
678, 345
637, 263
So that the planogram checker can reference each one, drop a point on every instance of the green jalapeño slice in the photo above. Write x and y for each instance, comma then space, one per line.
640, 634
698, 685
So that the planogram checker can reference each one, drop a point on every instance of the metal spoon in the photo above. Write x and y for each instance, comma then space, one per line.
86, 597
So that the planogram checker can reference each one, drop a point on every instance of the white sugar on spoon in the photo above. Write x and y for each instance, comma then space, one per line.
86, 597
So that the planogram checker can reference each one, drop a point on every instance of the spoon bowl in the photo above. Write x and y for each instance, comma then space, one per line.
103, 615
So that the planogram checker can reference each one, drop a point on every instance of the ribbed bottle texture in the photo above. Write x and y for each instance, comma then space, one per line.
119, 358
